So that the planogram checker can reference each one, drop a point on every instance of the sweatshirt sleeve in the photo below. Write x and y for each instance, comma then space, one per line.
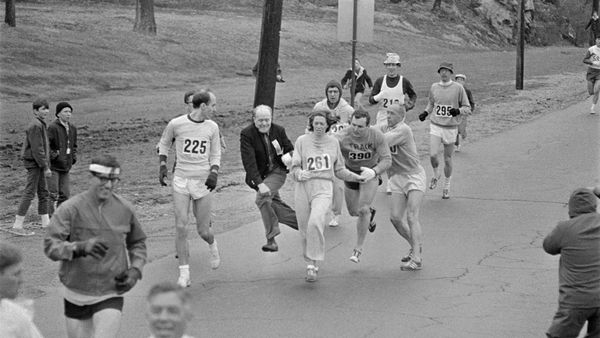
385, 156
56, 242
376, 89
166, 140
552, 242
215, 148
136, 243
409, 90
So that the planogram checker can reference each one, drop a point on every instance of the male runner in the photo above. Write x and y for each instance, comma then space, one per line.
392, 88
592, 59
407, 182
448, 103
366, 152
198, 159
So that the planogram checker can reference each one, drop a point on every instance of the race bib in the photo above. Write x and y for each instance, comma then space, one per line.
356, 155
385, 102
318, 162
194, 147
336, 128
442, 110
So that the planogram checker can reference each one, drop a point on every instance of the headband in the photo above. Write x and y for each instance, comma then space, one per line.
101, 169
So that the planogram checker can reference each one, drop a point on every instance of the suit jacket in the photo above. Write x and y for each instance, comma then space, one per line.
254, 152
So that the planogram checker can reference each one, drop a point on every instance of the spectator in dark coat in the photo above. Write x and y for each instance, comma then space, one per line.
362, 81
266, 153
62, 136
35, 156
594, 26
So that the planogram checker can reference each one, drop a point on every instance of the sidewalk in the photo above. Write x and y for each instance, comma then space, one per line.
485, 273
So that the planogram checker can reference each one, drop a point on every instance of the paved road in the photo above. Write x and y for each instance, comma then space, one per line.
485, 274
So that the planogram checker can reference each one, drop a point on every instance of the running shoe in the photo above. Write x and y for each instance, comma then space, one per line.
434, 182
412, 265
184, 281
334, 221
408, 257
311, 273
445, 194
20, 232
215, 259
355, 256
372, 224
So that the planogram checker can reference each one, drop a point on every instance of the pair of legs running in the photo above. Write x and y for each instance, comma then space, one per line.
100, 320
358, 203
436, 143
404, 215
593, 86
201, 208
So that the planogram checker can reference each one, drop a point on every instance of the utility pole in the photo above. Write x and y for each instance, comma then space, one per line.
595, 6
353, 86
521, 45
268, 55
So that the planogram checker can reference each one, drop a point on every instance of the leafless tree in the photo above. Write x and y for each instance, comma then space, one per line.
144, 17
9, 14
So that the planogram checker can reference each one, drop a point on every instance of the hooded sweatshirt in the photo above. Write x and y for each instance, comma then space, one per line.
342, 109
578, 243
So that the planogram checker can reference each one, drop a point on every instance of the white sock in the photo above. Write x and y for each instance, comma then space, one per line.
184, 270
19, 222
447, 182
45, 220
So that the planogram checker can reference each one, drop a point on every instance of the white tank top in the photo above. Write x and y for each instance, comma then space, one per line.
391, 95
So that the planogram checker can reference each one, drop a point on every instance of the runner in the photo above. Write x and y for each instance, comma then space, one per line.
317, 158
592, 59
391, 88
407, 183
462, 127
362, 80
340, 111
449, 103
365, 151
101, 248
198, 154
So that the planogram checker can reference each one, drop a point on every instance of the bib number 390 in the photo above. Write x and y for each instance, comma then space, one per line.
318, 163
194, 146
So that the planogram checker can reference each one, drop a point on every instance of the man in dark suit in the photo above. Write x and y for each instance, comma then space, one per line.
266, 152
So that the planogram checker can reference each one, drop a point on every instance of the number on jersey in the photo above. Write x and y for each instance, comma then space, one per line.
194, 146
443, 110
355, 155
318, 163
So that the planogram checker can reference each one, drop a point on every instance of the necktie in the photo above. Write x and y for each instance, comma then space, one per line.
268, 147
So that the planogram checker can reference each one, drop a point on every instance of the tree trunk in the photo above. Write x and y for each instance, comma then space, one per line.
9, 14
144, 17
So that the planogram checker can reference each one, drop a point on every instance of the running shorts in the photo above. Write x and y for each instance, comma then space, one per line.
593, 74
403, 183
448, 135
190, 186
83, 312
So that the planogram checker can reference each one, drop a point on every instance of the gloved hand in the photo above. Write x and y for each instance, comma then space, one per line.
367, 173
162, 175
53, 154
378, 97
211, 181
94, 247
74, 158
127, 279
423, 116
596, 63
454, 111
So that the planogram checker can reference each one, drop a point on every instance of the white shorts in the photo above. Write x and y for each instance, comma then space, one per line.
402, 184
190, 186
448, 135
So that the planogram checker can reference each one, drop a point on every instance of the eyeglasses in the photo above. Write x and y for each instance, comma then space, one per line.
105, 179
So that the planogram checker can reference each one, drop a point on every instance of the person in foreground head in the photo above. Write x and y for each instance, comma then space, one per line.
168, 310
16, 315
